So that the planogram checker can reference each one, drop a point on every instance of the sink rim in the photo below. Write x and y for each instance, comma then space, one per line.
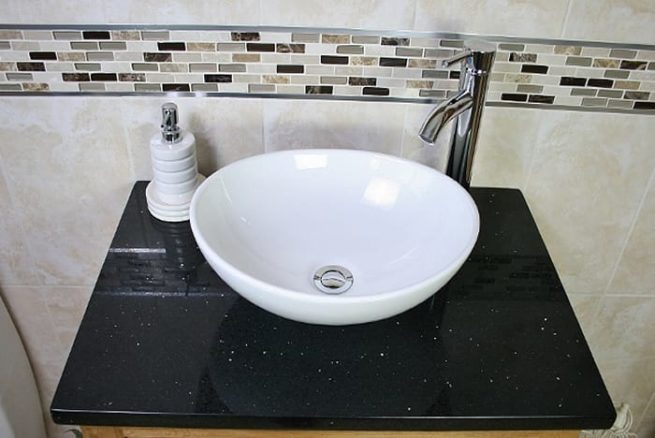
288, 293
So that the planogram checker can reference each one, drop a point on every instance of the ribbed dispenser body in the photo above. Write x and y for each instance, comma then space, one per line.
175, 177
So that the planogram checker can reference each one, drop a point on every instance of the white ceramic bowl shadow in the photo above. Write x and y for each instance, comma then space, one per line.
267, 223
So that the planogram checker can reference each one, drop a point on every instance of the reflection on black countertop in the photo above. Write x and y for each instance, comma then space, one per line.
165, 342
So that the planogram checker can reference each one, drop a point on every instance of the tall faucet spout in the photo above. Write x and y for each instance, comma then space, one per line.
444, 113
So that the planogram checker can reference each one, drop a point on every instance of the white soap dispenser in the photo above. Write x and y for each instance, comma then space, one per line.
174, 168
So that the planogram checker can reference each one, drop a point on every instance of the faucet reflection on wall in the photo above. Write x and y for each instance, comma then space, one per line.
465, 107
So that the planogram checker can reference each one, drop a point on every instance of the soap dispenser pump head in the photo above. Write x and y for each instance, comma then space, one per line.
170, 131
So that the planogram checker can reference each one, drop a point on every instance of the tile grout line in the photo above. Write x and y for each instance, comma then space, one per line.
651, 402
567, 14
650, 184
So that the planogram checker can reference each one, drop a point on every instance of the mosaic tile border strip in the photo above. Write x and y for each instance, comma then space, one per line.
311, 63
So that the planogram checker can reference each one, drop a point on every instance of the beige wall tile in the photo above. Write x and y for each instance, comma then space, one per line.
588, 176
290, 124
68, 175
537, 18
369, 14
636, 270
225, 130
16, 263
415, 149
586, 310
182, 12
624, 328
646, 425
506, 144
629, 381
612, 20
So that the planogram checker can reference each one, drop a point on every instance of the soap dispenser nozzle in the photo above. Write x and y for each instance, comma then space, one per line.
170, 131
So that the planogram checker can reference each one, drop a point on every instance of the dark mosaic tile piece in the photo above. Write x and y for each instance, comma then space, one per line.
357, 81
633, 65
157, 57
245, 36
319, 89
514, 97
533, 68
329, 59
536, 98
30, 66
96, 35
636, 95
454, 74
175, 87
600, 83
645, 105
260, 47
104, 77
289, 68
389, 41
218, 78
393, 62
132, 77
375, 91
43, 56
289, 48
75, 77
571, 81
522, 57
169, 46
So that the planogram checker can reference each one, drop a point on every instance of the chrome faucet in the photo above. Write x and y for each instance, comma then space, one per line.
465, 107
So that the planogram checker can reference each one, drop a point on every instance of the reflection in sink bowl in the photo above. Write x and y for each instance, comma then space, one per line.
333, 236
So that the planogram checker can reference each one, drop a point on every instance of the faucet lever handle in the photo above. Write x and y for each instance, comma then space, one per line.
479, 56
457, 57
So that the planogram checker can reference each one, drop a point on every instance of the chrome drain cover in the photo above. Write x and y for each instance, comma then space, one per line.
333, 279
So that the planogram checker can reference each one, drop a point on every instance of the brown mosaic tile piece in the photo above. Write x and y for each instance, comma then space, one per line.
157, 57
606, 63
387, 41
132, 77
10, 35
75, 77
363, 60
7, 66
626, 85
289, 48
35, 86
245, 36
522, 57
335, 39
319, 89
201, 47
633, 65
246, 57
636, 95
359, 81
30, 66
125, 35
567, 50
275, 79
419, 84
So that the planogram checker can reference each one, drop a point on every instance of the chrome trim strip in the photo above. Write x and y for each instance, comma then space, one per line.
351, 31
326, 97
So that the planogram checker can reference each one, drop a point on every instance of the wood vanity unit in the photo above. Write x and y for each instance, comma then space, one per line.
166, 349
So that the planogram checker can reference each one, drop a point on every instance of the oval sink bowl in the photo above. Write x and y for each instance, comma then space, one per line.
333, 236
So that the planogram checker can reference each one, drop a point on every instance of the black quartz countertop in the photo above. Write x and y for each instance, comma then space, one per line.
165, 342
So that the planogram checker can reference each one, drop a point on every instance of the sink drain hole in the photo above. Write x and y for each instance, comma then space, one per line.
333, 279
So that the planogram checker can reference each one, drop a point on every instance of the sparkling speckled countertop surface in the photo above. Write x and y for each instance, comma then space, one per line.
165, 342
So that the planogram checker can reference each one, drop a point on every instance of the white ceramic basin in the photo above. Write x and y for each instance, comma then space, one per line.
268, 223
